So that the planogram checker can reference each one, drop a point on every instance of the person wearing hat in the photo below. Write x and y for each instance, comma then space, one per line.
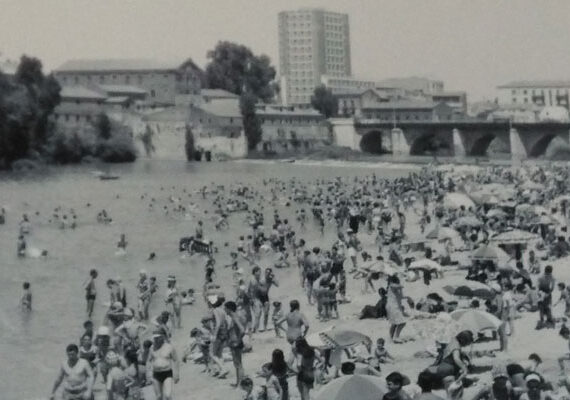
535, 388
162, 367
173, 301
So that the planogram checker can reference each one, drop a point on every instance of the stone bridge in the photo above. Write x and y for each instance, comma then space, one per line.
452, 138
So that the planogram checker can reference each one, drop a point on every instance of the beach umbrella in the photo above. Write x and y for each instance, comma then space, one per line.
468, 221
335, 338
516, 236
484, 293
461, 291
352, 387
476, 320
530, 185
444, 233
425, 264
564, 197
490, 252
456, 200
496, 213
545, 220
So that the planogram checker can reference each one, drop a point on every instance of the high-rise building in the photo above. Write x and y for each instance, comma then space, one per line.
312, 43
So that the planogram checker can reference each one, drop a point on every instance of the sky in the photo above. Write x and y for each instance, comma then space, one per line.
472, 45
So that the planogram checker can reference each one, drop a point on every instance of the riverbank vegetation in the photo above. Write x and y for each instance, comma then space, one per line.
30, 136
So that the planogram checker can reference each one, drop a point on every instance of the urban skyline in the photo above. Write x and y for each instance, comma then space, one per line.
469, 45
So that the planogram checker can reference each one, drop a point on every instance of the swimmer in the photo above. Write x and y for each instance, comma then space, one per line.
26, 301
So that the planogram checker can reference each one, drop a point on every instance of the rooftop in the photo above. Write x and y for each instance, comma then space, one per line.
126, 89
222, 108
403, 105
132, 64
218, 93
80, 92
449, 93
117, 100
270, 109
535, 84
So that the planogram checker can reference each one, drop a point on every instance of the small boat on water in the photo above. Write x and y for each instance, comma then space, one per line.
108, 177
288, 160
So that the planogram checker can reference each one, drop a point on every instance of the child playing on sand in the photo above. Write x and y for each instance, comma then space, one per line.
26, 301
276, 316
251, 392
200, 340
381, 353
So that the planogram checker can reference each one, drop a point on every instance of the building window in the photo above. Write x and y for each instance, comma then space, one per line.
76, 80
127, 79
152, 93
101, 79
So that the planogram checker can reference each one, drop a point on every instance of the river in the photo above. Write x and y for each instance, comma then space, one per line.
33, 345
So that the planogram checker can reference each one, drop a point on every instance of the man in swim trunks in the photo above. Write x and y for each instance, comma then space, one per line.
163, 367
76, 375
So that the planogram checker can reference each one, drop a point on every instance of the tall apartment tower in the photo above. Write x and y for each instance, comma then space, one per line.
312, 43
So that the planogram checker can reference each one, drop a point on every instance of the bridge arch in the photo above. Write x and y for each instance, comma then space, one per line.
371, 142
539, 147
481, 145
431, 143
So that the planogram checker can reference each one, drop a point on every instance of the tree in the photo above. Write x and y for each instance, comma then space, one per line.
26, 103
103, 126
146, 139
251, 123
189, 145
324, 101
234, 67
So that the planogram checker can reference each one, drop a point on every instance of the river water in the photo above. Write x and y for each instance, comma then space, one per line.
32, 345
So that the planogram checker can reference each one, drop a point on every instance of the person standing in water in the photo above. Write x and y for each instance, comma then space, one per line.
26, 301
76, 375
90, 292
163, 367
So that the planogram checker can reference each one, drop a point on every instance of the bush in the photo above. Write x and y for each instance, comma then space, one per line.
118, 149
67, 146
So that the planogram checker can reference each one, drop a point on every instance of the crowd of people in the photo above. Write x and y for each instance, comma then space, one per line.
496, 232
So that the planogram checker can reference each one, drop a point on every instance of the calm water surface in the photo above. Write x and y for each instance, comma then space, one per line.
32, 346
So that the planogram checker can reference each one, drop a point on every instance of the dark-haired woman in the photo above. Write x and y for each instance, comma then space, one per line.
280, 369
304, 361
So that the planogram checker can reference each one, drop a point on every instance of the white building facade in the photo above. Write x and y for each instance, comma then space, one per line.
312, 43
540, 93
